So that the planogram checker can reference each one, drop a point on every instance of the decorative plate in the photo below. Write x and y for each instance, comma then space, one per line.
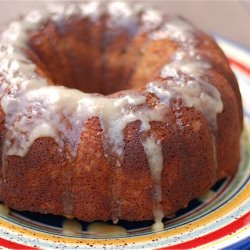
218, 219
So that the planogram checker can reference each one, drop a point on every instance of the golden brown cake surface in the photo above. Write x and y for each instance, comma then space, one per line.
163, 128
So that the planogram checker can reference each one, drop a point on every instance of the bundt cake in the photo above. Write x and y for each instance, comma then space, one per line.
111, 111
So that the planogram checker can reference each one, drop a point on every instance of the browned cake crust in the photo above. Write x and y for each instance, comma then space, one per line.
88, 56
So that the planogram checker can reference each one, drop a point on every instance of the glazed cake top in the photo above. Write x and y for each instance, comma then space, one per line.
23, 86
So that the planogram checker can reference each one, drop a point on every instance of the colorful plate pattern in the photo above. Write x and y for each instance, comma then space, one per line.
218, 219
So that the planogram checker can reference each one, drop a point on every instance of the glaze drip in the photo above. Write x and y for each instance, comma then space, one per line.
153, 151
34, 110
106, 229
71, 227
4, 210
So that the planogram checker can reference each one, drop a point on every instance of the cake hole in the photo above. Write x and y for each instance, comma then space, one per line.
73, 54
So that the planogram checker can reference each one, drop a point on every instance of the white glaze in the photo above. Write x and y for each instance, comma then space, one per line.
106, 229
158, 216
151, 19
176, 29
114, 113
34, 110
195, 91
120, 14
71, 227
91, 10
206, 197
153, 151
4, 210
184, 73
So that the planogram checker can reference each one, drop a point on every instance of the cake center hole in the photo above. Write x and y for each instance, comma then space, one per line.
74, 55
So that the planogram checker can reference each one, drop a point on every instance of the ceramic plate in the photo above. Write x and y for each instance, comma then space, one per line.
218, 219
